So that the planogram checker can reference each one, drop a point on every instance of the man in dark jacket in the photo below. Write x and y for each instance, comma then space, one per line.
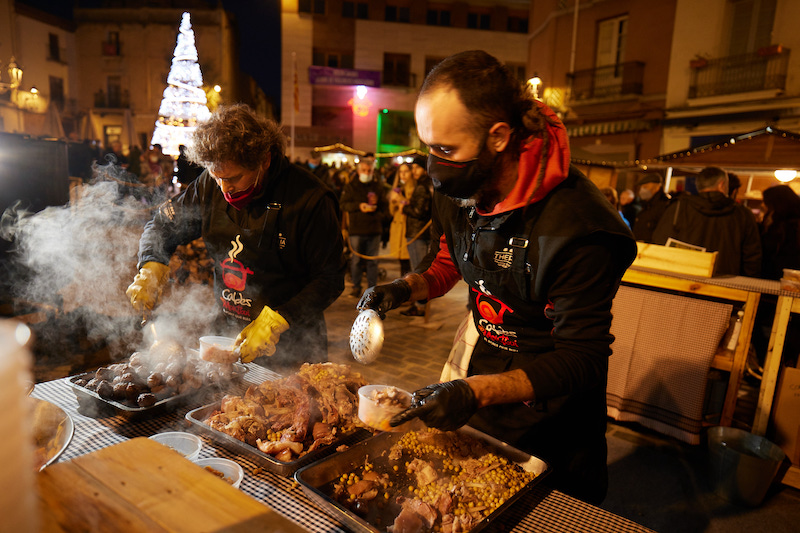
714, 221
273, 232
543, 253
364, 202
653, 202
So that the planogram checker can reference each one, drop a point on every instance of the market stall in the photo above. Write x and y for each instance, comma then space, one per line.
541, 509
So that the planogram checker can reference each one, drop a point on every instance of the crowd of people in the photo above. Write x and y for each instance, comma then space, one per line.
755, 243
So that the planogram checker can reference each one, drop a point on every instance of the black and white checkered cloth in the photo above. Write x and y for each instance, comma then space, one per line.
541, 510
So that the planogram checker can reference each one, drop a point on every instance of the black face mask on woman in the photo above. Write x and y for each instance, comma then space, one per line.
461, 179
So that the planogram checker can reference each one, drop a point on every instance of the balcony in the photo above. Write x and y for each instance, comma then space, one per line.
758, 71
116, 100
607, 83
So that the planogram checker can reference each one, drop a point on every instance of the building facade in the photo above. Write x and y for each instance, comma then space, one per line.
332, 46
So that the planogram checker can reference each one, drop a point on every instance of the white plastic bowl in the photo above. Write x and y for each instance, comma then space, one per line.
378, 416
232, 472
185, 444
211, 344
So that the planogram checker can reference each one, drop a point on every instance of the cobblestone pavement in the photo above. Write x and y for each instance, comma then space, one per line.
414, 349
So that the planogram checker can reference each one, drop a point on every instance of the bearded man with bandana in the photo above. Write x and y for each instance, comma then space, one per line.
543, 253
272, 229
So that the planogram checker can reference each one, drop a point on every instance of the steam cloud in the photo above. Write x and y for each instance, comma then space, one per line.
77, 260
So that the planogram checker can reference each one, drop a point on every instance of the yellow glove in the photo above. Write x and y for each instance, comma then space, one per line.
147, 285
261, 335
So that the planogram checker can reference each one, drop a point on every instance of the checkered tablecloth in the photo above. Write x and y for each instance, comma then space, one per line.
541, 510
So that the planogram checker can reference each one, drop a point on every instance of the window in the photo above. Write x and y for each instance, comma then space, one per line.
518, 70
431, 62
479, 21
438, 17
53, 48
114, 85
611, 37
750, 25
517, 24
397, 69
111, 44
334, 59
358, 10
316, 7
57, 92
397, 14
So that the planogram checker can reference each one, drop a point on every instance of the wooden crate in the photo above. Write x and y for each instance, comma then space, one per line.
679, 260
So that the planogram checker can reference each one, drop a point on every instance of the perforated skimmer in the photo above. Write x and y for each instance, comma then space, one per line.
366, 336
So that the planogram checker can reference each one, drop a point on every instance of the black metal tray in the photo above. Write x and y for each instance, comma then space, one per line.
282, 468
93, 405
316, 479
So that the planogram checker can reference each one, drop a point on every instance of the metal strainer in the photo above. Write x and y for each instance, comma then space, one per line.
366, 336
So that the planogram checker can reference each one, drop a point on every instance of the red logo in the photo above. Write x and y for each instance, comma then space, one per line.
490, 309
234, 273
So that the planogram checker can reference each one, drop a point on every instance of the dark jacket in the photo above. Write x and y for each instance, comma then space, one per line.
354, 194
418, 210
543, 305
648, 217
780, 245
283, 250
718, 224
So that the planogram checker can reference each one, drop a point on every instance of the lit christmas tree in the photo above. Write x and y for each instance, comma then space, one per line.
184, 102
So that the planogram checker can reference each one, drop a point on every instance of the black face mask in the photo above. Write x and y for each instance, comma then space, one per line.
460, 179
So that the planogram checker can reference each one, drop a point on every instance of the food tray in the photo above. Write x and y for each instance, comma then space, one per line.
316, 479
282, 468
93, 405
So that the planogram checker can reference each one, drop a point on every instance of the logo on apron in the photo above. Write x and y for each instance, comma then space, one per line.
490, 324
234, 276
281, 241
503, 257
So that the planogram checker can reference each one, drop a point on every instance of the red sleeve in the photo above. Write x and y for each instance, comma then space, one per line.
443, 274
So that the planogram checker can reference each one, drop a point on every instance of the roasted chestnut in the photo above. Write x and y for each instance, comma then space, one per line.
119, 390
155, 379
132, 392
105, 390
146, 399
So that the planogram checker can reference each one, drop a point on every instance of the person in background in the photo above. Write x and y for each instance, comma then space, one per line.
418, 217
543, 254
654, 202
135, 161
734, 184
611, 195
780, 231
319, 169
187, 171
629, 205
712, 220
402, 189
364, 202
114, 155
272, 229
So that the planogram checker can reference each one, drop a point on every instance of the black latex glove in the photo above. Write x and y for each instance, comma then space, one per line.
382, 298
446, 406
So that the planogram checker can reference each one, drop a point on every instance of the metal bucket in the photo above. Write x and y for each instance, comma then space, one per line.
742, 465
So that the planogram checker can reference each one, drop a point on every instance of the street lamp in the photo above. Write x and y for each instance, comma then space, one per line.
14, 75
535, 82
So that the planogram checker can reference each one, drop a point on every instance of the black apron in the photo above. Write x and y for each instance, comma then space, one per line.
493, 257
247, 248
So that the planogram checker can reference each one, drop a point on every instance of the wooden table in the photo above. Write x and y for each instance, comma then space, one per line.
142, 486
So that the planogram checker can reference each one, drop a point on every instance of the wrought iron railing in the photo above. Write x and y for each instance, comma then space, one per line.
765, 69
608, 82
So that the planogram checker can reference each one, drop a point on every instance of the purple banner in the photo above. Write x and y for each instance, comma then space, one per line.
343, 76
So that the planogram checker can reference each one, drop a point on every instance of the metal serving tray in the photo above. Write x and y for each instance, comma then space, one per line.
317, 479
52, 431
282, 468
91, 404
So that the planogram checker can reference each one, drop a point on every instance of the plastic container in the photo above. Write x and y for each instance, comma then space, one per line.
217, 349
231, 471
377, 414
742, 465
185, 444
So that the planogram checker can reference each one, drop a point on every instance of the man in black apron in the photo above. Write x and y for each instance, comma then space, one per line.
543, 253
272, 229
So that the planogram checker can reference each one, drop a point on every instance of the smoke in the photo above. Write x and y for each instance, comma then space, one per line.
77, 260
